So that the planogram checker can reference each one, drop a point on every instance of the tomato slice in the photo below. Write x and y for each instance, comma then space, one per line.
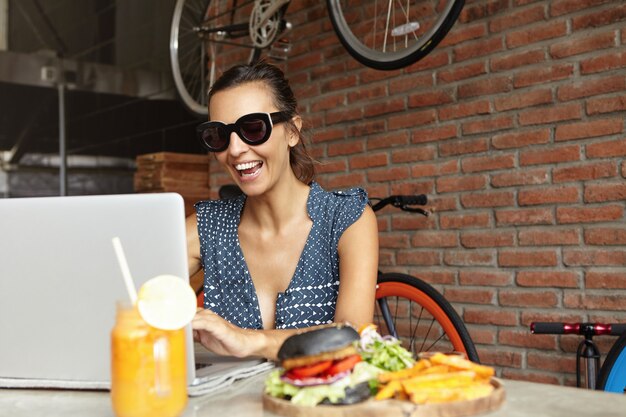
310, 370
342, 365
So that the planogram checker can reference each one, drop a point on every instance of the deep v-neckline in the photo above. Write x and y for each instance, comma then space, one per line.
294, 277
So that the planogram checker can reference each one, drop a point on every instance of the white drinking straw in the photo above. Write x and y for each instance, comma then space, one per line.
121, 259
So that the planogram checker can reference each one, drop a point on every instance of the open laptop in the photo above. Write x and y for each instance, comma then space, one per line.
60, 280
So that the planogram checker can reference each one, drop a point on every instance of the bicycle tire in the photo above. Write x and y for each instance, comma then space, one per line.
612, 376
434, 321
350, 24
204, 43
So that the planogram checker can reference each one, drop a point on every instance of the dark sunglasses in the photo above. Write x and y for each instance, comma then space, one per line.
253, 129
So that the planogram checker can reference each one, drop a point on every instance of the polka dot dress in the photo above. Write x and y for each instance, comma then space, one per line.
311, 296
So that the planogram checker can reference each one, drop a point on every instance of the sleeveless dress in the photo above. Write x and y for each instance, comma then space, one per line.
311, 296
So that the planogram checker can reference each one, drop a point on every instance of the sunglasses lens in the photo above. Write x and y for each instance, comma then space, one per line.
215, 137
254, 130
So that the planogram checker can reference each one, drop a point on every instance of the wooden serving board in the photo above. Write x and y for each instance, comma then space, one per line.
391, 408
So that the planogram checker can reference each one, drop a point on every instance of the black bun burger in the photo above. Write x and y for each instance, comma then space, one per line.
318, 367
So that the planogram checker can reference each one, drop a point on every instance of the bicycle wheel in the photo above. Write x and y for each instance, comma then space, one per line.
206, 38
392, 34
420, 317
612, 375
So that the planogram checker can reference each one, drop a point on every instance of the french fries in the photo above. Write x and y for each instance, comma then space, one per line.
440, 378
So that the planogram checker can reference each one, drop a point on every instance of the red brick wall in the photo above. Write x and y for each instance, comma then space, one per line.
514, 127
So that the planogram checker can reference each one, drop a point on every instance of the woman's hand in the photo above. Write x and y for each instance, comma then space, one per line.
221, 336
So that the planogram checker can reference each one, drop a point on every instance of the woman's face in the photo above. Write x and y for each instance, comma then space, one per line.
255, 168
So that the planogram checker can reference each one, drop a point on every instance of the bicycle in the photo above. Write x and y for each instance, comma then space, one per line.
407, 307
611, 376
207, 37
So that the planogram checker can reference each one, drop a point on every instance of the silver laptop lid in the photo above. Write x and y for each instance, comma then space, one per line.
60, 278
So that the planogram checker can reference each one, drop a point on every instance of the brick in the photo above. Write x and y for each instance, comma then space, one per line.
490, 239
464, 109
606, 104
435, 59
462, 147
605, 235
594, 257
433, 170
584, 172
413, 257
551, 279
348, 180
464, 33
308, 60
367, 93
543, 75
584, 301
343, 115
414, 187
463, 183
561, 7
328, 102
341, 82
440, 204
517, 18
464, 221
331, 166
490, 124
413, 154
393, 241
550, 156
558, 316
388, 174
501, 358
487, 163
551, 114
435, 239
478, 48
368, 161
536, 33
602, 18
566, 215
548, 237
434, 134
524, 258
485, 86
488, 199
434, 277
606, 191
384, 107
431, 98
345, 148
410, 223
589, 129
461, 72
480, 10
411, 119
496, 317
551, 362
485, 277
588, 88
548, 195
401, 85
517, 59
368, 75
606, 149
524, 217
366, 127
521, 177
329, 134
605, 280
527, 298
606, 62
525, 375
466, 295
523, 99
388, 140
520, 139
575, 45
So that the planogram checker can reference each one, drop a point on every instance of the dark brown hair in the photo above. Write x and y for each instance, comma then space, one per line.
302, 164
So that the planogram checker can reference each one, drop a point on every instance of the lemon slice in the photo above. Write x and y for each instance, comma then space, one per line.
166, 302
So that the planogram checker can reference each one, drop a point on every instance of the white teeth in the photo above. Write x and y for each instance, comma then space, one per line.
246, 165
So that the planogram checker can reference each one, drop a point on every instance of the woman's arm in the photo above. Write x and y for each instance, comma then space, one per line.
358, 268
193, 244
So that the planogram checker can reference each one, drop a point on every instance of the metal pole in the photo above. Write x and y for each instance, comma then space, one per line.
62, 142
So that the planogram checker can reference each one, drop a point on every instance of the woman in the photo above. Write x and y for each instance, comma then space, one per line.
286, 254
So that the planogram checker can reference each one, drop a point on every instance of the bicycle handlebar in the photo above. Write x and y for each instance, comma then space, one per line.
404, 202
595, 329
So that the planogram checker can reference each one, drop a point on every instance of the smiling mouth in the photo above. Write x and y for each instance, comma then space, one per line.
248, 169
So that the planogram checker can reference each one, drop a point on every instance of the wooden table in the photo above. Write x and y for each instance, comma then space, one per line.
243, 399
